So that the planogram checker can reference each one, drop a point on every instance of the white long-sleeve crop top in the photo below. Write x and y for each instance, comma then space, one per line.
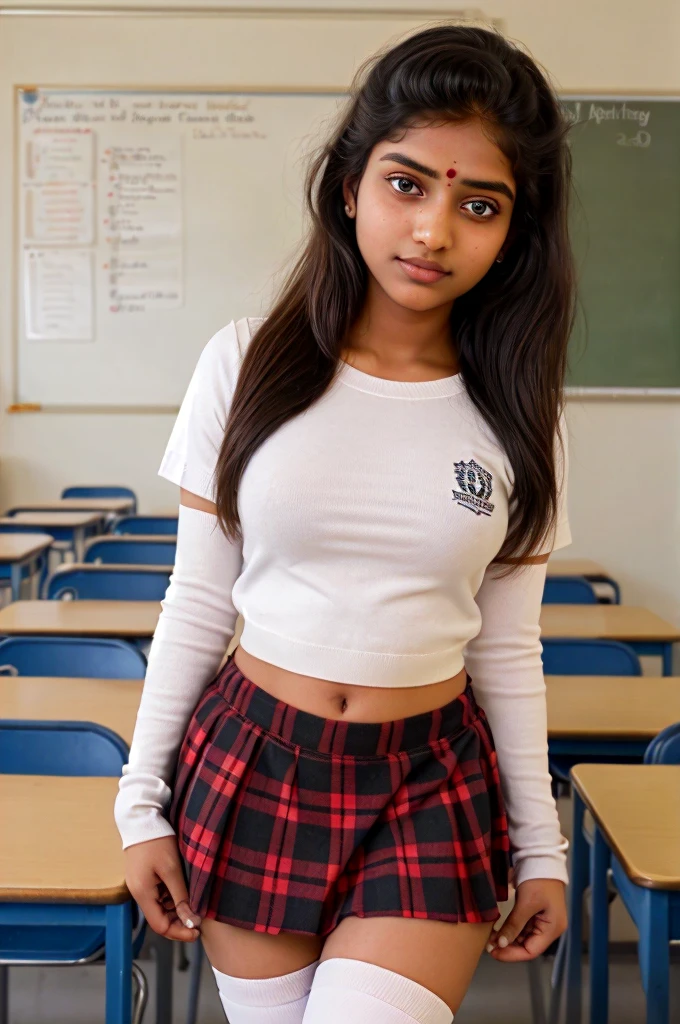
369, 524
368, 520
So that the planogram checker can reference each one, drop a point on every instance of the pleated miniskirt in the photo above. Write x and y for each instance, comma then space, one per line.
288, 822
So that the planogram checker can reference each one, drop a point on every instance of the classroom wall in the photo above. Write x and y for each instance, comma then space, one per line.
625, 455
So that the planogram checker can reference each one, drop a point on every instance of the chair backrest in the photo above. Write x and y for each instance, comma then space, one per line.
77, 657
568, 590
101, 492
146, 524
107, 583
106, 551
576, 657
60, 748
665, 747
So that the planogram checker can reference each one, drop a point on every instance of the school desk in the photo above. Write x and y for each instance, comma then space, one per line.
609, 715
592, 571
643, 630
110, 702
118, 506
134, 620
23, 550
636, 832
66, 528
61, 862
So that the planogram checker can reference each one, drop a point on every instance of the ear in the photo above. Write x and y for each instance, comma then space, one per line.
348, 196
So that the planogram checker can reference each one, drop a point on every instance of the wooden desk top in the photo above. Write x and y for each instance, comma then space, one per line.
71, 519
80, 618
110, 702
17, 546
119, 505
59, 840
116, 566
637, 806
574, 567
605, 622
152, 538
611, 707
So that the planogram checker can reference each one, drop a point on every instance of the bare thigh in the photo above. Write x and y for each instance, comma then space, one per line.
441, 956
243, 953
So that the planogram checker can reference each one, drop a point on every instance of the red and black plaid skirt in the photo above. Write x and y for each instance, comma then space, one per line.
289, 822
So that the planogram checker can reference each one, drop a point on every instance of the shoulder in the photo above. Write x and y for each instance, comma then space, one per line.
225, 350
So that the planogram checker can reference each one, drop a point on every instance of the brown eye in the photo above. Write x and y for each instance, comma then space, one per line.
403, 185
481, 208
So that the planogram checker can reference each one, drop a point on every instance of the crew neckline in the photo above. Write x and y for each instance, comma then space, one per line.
442, 387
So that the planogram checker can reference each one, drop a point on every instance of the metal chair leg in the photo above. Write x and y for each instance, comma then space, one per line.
182, 959
557, 980
164, 978
141, 996
4, 995
536, 991
195, 982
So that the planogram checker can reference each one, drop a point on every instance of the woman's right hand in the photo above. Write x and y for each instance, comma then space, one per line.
153, 874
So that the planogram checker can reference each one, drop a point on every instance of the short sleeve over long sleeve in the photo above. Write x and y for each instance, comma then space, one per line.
561, 536
193, 448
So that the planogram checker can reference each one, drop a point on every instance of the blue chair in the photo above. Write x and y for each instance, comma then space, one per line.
146, 524
131, 551
568, 590
576, 657
106, 583
41, 569
71, 933
101, 492
655, 913
665, 747
77, 657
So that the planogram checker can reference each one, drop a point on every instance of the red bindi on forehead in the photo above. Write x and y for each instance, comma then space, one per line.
451, 173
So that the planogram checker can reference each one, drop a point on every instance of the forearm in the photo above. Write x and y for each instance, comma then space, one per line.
504, 663
194, 629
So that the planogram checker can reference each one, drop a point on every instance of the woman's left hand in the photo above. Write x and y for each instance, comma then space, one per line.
538, 917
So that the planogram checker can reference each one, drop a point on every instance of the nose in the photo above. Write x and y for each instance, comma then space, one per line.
433, 227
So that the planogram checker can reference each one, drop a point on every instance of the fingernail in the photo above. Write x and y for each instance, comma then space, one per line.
189, 923
503, 941
489, 947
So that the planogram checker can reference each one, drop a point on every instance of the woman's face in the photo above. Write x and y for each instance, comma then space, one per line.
443, 194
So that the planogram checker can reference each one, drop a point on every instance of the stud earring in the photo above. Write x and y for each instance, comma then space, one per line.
499, 258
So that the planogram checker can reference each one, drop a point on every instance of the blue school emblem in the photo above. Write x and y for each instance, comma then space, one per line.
475, 487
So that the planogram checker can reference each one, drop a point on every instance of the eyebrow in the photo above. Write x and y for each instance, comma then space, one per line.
487, 186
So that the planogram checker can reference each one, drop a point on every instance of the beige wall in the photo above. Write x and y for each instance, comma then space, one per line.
625, 456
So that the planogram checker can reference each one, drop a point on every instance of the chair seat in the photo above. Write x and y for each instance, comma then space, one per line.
63, 942
19, 942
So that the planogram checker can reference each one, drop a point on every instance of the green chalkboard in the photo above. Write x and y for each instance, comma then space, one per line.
625, 227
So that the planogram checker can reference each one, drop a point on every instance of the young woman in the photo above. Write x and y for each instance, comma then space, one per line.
373, 476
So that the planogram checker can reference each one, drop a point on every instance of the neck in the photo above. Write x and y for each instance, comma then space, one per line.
391, 337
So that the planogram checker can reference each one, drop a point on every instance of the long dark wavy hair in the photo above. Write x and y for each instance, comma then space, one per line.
510, 330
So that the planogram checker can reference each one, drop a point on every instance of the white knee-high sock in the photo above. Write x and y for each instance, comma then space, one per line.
279, 1000
350, 990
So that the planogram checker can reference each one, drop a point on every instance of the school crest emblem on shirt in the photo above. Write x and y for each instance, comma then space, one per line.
475, 484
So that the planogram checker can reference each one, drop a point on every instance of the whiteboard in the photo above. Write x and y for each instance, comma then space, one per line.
123, 276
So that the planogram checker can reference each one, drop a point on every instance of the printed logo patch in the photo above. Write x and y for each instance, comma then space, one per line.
475, 484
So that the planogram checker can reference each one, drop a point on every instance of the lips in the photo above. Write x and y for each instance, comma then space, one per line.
422, 270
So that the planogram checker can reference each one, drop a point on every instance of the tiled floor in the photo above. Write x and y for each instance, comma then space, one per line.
499, 992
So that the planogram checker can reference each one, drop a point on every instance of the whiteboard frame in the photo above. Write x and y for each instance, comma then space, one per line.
233, 10
578, 393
